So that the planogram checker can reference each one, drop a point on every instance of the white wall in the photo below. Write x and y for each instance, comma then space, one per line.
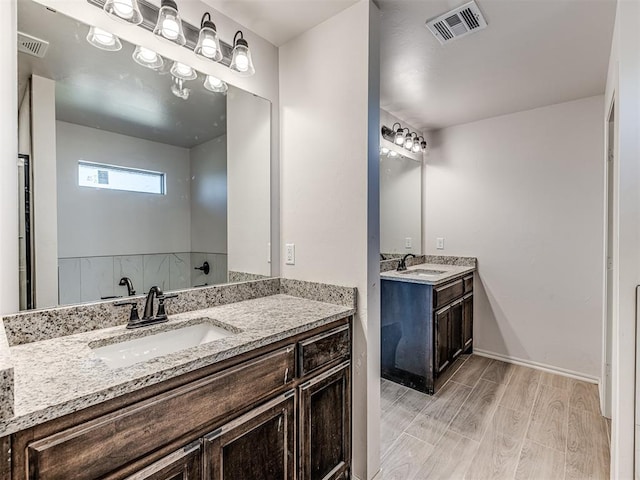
623, 84
209, 196
9, 291
249, 210
330, 175
98, 222
400, 198
43, 161
524, 194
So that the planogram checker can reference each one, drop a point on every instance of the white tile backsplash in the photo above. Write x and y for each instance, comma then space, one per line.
69, 281
128, 266
156, 271
179, 271
96, 278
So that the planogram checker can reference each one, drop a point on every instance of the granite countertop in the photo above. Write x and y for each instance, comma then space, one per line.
451, 272
62, 375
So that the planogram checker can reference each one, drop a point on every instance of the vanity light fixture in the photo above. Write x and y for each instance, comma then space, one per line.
241, 59
408, 141
124, 10
179, 90
169, 24
103, 40
147, 58
183, 71
398, 134
214, 84
208, 45
419, 146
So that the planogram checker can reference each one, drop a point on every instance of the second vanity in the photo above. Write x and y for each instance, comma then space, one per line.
426, 320
269, 399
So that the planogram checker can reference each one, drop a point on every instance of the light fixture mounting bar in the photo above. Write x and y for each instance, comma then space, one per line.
150, 15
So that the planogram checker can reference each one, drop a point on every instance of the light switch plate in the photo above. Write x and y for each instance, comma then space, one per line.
440, 243
407, 242
290, 255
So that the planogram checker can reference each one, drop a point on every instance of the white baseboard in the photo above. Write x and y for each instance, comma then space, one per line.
538, 366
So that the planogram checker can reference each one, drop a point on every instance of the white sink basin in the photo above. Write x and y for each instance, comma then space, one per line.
130, 352
423, 272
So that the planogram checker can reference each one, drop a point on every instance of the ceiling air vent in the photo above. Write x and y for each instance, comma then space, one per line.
457, 23
32, 45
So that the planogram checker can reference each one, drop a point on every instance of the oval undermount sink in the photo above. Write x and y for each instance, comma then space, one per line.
423, 272
129, 352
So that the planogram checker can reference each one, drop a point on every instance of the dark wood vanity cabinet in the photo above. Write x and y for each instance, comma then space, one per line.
424, 330
280, 412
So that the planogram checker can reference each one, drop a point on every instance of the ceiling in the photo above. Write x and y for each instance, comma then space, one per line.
533, 53
279, 21
109, 91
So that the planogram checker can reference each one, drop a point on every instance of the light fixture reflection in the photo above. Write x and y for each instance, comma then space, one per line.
208, 45
241, 58
103, 40
147, 58
179, 90
124, 10
183, 71
169, 24
214, 84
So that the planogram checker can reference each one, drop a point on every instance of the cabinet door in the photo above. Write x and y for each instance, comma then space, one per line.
441, 336
467, 322
455, 340
325, 425
259, 445
181, 465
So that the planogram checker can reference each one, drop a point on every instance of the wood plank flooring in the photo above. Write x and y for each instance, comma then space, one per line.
493, 420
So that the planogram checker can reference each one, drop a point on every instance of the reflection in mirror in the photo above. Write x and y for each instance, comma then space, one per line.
400, 195
133, 176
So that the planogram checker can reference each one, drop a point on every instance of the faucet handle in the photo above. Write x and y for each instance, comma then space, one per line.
133, 315
162, 314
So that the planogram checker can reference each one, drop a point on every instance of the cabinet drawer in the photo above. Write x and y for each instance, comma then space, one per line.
447, 293
318, 351
107, 443
468, 283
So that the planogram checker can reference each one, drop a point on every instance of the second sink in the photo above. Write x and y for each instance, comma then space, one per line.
129, 352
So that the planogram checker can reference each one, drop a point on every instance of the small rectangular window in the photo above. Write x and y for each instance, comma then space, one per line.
112, 177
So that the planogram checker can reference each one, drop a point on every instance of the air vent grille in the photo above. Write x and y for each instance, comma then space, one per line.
457, 23
32, 45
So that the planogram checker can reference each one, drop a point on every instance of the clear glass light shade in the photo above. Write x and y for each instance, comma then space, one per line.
241, 60
103, 40
169, 25
399, 140
384, 151
124, 10
147, 58
408, 143
416, 147
214, 84
183, 71
208, 44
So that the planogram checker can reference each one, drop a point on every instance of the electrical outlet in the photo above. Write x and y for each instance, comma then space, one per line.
440, 243
407, 242
290, 256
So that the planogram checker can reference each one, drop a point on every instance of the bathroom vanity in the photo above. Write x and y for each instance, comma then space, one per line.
272, 399
426, 321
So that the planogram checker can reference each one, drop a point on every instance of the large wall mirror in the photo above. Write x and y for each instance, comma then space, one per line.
131, 177
400, 194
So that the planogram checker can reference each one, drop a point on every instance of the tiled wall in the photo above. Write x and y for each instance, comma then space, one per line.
87, 279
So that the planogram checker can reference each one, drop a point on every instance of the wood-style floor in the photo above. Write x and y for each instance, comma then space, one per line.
494, 420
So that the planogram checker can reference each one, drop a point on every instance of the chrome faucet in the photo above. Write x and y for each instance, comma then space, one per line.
402, 266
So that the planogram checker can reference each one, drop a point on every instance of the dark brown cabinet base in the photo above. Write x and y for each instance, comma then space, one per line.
424, 330
280, 412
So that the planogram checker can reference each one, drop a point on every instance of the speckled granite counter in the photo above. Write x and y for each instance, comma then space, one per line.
451, 272
61, 375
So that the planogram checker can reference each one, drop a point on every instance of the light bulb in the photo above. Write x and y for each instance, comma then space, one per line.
242, 62
408, 143
393, 154
385, 150
103, 37
399, 138
124, 8
184, 70
209, 48
170, 28
147, 55
416, 147
214, 84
